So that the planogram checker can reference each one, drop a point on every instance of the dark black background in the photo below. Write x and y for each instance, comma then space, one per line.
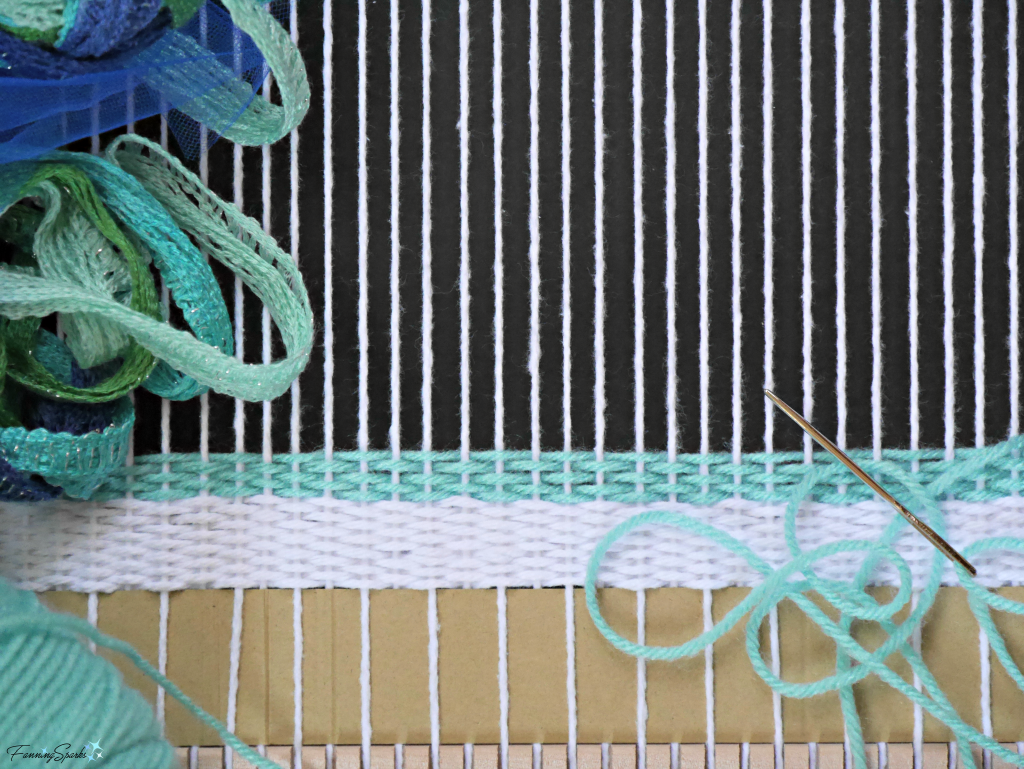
618, 227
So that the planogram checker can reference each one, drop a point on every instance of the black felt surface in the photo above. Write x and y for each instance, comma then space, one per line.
618, 228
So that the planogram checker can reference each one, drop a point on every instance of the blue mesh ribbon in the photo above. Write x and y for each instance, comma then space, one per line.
128, 70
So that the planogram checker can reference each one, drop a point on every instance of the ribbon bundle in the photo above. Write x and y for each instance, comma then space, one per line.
85, 235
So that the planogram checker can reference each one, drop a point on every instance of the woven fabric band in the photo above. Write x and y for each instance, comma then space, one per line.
973, 475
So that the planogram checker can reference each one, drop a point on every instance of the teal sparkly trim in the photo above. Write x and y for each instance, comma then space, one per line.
568, 478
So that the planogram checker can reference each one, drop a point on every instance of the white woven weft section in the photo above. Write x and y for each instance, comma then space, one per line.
267, 541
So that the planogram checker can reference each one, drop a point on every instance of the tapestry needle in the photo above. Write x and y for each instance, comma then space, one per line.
924, 529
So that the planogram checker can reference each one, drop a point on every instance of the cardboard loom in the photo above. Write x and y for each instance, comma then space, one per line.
199, 633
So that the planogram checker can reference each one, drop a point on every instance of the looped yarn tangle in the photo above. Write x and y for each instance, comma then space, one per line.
797, 578
53, 689
85, 257
95, 65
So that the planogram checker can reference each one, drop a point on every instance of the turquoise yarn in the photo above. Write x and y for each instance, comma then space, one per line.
54, 691
797, 578
510, 476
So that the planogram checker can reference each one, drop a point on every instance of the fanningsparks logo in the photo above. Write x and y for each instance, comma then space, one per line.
89, 752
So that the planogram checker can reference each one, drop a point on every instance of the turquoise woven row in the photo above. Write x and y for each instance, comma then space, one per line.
570, 478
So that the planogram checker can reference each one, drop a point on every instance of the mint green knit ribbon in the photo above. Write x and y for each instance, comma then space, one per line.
86, 257
797, 578
221, 232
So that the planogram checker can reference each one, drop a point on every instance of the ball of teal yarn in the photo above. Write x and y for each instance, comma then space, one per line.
56, 695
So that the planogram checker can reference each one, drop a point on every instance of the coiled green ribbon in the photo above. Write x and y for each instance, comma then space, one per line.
85, 256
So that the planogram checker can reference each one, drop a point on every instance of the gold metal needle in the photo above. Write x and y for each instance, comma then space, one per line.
942, 545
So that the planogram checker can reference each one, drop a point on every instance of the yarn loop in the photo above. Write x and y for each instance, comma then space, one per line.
796, 580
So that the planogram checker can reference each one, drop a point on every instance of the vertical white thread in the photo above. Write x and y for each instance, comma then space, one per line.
534, 361
641, 681
986, 692
566, 253
427, 254
840, 42
268, 448
464, 297
93, 614
709, 681
293, 233
912, 251
805, 214
394, 431
1014, 135
130, 458
977, 94
165, 404
638, 233
366, 727
234, 661
570, 670
239, 305
671, 395
503, 675
297, 676
328, 234
948, 225
363, 216
773, 631
161, 656
805, 172
599, 373
767, 107
432, 659
876, 239
499, 245
237, 194
735, 165
204, 176
702, 221
915, 640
